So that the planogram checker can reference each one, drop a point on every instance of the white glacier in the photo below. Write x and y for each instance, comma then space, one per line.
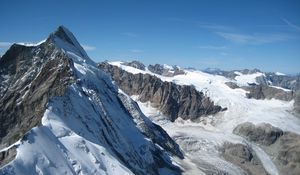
212, 131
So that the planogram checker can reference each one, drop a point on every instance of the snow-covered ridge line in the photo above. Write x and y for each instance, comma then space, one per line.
31, 44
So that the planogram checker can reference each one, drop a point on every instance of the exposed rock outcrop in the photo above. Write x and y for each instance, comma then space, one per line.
244, 157
264, 133
172, 100
165, 70
291, 82
267, 92
7, 155
232, 85
261, 92
34, 74
297, 101
283, 146
135, 64
287, 152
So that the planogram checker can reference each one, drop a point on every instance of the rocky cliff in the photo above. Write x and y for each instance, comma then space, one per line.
171, 99
267, 92
30, 76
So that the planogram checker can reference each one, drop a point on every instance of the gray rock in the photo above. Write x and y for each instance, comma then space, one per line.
135, 64
263, 133
288, 153
172, 100
7, 156
162, 70
232, 85
297, 101
284, 147
242, 156
32, 81
267, 92
291, 82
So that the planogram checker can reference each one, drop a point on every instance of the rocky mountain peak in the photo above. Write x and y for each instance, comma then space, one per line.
52, 94
63, 39
64, 34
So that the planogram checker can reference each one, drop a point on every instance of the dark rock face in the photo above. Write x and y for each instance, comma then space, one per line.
284, 81
255, 91
162, 70
172, 100
232, 85
31, 81
264, 133
242, 156
135, 64
261, 92
7, 156
283, 146
267, 92
297, 101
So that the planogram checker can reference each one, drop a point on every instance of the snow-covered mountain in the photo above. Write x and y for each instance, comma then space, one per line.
60, 114
258, 133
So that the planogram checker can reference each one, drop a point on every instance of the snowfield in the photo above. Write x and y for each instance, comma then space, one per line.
200, 141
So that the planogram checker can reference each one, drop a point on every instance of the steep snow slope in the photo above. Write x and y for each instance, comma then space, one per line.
89, 129
200, 141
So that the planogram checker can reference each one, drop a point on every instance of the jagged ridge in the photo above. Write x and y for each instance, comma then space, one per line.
172, 100
70, 107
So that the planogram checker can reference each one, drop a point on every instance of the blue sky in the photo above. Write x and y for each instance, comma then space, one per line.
226, 34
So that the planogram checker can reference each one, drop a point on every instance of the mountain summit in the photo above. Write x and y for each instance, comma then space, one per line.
60, 114
65, 35
64, 39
